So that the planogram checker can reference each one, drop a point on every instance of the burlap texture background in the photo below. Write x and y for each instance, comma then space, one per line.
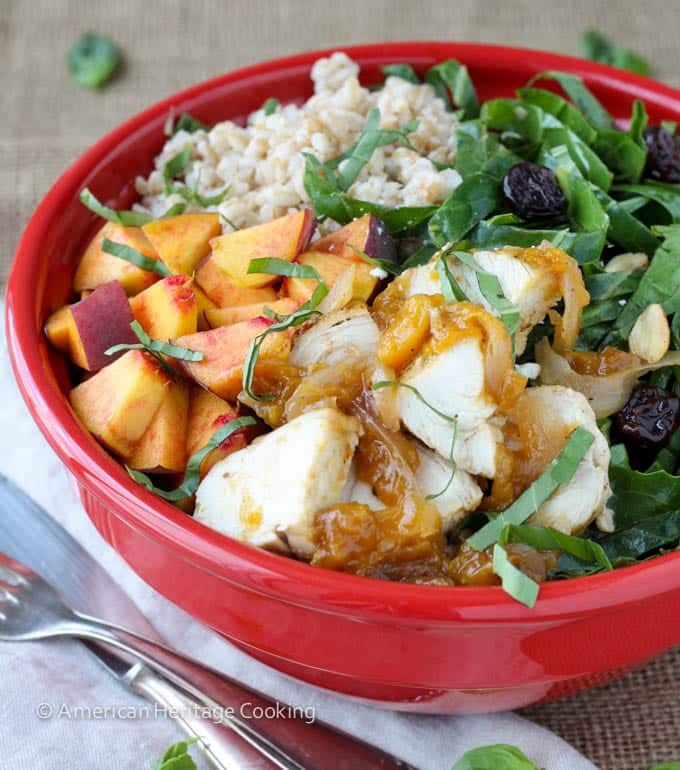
46, 122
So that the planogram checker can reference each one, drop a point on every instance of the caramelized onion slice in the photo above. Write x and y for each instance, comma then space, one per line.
606, 394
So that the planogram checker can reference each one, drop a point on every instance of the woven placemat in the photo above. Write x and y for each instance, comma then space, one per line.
47, 122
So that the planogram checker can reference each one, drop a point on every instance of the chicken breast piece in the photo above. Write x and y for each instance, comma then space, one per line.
267, 493
336, 337
532, 288
460, 496
573, 505
453, 382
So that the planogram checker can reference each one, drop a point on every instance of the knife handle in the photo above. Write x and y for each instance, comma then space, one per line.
279, 732
221, 747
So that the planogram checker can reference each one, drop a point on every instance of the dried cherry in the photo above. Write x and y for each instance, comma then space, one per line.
647, 421
663, 154
533, 193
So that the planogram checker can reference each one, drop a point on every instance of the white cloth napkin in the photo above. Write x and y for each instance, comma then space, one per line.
64, 676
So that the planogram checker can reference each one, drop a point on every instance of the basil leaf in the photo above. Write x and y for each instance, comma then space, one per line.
600, 312
498, 757
156, 346
189, 124
135, 257
560, 108
447, 417
582, 97
583, 247
666, 195
452, 77
403, 71
304, 313
638, 495
270, 106
603, 285
600, 48
638, 123
621, 153
478, 149
513, 117
515, 583
93, 60
124, 218
451, 290
175, 210
648, 536
177, 757
192, 476
549, 539
175, 166
391, 268
329, 201
660, 283
626, 230
475, 198
372, 137
491, 290
560, 471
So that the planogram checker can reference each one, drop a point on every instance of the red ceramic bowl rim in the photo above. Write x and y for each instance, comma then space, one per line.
280, 576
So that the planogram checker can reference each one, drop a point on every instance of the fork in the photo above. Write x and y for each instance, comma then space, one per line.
31, 609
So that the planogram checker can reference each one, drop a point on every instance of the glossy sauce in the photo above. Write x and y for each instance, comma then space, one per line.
606, 362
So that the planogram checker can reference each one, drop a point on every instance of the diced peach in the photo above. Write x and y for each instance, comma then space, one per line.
224, 353
85, 293
59, 329
330, 268
167, 309
207, 413
204, 304
182, 241
162, 448
283, 238
97, 267
223, 292
118, 403
230, 315
368, 234
87, 329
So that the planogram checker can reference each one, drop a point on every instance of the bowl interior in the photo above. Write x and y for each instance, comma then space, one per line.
61, 227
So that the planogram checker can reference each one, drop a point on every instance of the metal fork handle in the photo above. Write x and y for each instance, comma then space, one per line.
221, 747
274, 729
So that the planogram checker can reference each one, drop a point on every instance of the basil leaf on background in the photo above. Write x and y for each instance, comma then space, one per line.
498, 757
93, 60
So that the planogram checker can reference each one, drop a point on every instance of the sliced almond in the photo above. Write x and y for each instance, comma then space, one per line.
624, 262
650, 337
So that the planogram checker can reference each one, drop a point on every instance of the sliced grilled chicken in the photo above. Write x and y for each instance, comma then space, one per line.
267, 494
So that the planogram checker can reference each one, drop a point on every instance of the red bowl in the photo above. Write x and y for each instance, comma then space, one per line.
429, 649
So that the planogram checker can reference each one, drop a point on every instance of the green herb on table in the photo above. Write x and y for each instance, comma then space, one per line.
177, 757
560, 471
134, 257
124, 218
93, 60
599, 48
192, 476
497, 757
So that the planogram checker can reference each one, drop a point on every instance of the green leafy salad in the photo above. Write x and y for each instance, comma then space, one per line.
550, 164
